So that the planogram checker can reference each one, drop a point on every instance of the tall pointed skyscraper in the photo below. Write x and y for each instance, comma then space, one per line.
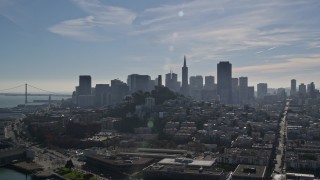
185, 86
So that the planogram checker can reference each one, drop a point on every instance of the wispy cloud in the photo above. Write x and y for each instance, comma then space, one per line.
8, 11
227, 25
104, 14
102, 20
209, 30
269, 49
290, 65
314, 44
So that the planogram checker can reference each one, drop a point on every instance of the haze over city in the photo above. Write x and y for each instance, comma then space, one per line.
159, 90
49, 43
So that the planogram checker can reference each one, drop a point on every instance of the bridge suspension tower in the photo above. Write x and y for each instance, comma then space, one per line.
26, 94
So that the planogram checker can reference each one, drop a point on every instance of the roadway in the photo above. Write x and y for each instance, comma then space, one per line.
49, 159
279, 172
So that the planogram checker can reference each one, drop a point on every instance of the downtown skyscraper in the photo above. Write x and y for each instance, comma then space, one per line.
293, 90
196, 87
302, 90
209, 83
243, 90
235, 90
185, 86
84, 85
138, 82
224, 77
262, 90
83, 96
171, 82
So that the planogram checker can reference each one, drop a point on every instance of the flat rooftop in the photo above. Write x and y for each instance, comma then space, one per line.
182, 161
120, 162
168, 151
182, 170
248, 171
148, 155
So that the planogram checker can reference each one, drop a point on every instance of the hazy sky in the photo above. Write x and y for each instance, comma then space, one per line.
49, 43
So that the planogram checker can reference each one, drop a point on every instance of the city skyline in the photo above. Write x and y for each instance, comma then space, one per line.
271, 42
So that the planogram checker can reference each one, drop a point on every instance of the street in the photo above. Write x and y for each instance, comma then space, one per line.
280, 150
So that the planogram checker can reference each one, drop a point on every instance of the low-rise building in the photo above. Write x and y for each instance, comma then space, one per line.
117, 163
302, 161
183, 168
243, 141
245, 156
253, 172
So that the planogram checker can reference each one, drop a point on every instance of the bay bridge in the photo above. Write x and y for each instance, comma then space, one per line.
11, 92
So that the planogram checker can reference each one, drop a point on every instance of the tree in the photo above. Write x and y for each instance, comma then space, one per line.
88, 176
69, 164
162, 94
139, 97
129, 123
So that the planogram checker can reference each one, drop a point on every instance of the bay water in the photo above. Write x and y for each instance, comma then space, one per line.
13, 101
